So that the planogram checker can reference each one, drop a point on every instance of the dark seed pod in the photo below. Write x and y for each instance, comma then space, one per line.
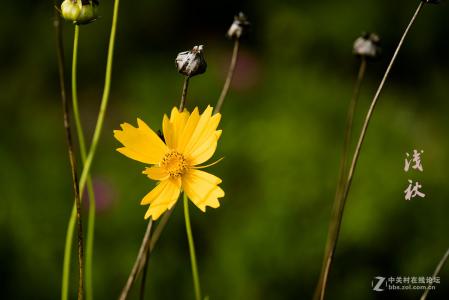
432, 1
367, 45
191, 63
238, 27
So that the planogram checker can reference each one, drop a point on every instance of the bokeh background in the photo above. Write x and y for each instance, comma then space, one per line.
282, 135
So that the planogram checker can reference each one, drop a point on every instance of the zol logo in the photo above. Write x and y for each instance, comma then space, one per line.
377, 286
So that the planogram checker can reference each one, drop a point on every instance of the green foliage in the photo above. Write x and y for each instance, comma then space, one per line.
282, 132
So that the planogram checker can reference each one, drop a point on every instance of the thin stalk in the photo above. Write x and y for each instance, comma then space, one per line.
436, 272
196, 280
349, 126
339, 214
144, 275
138, 263
343, 165
90, 189
161, 225
154, 238
227, 83
184, 93
67, 127
93, 147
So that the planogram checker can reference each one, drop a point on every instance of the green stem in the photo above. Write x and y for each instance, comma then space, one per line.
196, 280
90, 189
338, 217
92, 149
342, 175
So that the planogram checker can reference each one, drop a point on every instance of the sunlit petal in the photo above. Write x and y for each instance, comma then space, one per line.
201, 187
162, 198
140, 143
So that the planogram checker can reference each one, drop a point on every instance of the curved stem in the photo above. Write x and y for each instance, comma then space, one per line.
72, 158
196, 280
349, 126
90, 189
343, 166
344, 195
436, 272
227, 83
93, 147
138, 263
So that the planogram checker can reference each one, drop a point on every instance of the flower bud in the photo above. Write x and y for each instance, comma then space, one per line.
88, 13
238, 27
367, 45
80, 11
191, 63
70, 10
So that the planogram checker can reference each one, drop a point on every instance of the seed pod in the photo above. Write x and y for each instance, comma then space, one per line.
238, 27
432, 1
191, 63
367, 45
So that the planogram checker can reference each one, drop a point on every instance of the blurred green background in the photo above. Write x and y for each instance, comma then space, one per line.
282, 135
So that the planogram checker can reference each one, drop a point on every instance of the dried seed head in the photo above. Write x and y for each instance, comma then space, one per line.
191, 63
80, 11
367, 45
238, 27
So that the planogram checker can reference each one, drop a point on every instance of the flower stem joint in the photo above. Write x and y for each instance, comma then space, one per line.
239, 27
368, 45
80, 11
191, 63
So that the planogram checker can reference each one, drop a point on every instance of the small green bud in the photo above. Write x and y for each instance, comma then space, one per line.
70, 10
88, 13
80, 11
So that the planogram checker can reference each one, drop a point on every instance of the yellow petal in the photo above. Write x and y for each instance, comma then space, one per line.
188, 130
201, 187
205, 129
156, 173
140, 143
167, 129
174, 127
162, 198
204, 151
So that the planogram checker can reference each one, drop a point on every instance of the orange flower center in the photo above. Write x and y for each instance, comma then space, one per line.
174, 163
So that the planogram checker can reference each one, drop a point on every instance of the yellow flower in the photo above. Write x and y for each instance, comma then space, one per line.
190, 140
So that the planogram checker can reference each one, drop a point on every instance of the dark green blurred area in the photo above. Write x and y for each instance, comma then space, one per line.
282, 136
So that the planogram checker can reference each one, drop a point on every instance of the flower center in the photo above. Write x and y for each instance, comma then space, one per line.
174, 163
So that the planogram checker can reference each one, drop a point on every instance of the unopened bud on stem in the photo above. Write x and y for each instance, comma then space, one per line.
80, 11
191, 63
